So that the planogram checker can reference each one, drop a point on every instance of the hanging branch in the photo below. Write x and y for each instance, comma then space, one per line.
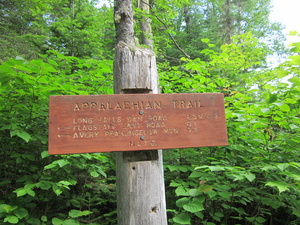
170, 35
172, 38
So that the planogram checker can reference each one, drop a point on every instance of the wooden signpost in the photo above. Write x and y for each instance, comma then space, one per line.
134, 121
103, 123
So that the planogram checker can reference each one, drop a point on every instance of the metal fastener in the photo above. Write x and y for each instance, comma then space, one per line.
142, 138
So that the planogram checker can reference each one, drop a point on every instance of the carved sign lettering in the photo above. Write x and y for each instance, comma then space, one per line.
103, 123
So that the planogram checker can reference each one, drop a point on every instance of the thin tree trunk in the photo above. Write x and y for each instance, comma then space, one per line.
124, 21
228, 21
146, 24
186, 11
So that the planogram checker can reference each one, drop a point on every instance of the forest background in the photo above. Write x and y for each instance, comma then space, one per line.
66, 47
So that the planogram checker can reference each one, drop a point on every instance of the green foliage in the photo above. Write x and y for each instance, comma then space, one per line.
38, 188
191, 21
73, 28
66, 48
234, 65
255, 179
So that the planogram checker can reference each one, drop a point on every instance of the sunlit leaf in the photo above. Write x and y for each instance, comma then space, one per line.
182, 218
11, 219
282, 186
250, 176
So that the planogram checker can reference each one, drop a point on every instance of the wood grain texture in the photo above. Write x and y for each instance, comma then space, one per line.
134, 68
140, 182
140, 188
131, 122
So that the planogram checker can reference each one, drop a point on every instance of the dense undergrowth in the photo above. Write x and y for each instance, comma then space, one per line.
253, 180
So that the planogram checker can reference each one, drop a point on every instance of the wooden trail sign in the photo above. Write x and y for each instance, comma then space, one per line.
103, 123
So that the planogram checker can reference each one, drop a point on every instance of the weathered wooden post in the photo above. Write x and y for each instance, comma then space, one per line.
140, 180
135, 123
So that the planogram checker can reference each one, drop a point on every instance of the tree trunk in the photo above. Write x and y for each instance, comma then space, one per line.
228, 21
146, 24
140, 181
187, 18
124, 21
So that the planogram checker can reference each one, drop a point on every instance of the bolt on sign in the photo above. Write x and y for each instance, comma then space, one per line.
104, 123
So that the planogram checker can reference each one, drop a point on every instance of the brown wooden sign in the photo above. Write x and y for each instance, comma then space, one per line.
103, 123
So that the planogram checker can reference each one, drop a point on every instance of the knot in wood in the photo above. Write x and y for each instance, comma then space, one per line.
154, 209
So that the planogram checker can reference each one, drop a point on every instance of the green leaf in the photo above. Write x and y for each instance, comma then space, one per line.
194, 192
4, 208
275, 204
94, 174
11, 219
22, 134
238, 176
295, 59
272, 98
199, 214
225, 195
62, 162
74, 213
21, 213
172, 168
174, 184
44, 218
182, 218
293, 33
210, 223
250, 176
56, 189
65, 182
195, 174
180, 191
31, 192
50, 166
218, 214
195, 205
283, 166
205, 40
261, 220
70, 222
211, 193
57, 221
285, 108
216, 168
296, 212
7, 208
282, 186
77, 213
21, 192
44, 185
293, 126
182, 201
44, 154
205, 188
295, 81
264, 110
